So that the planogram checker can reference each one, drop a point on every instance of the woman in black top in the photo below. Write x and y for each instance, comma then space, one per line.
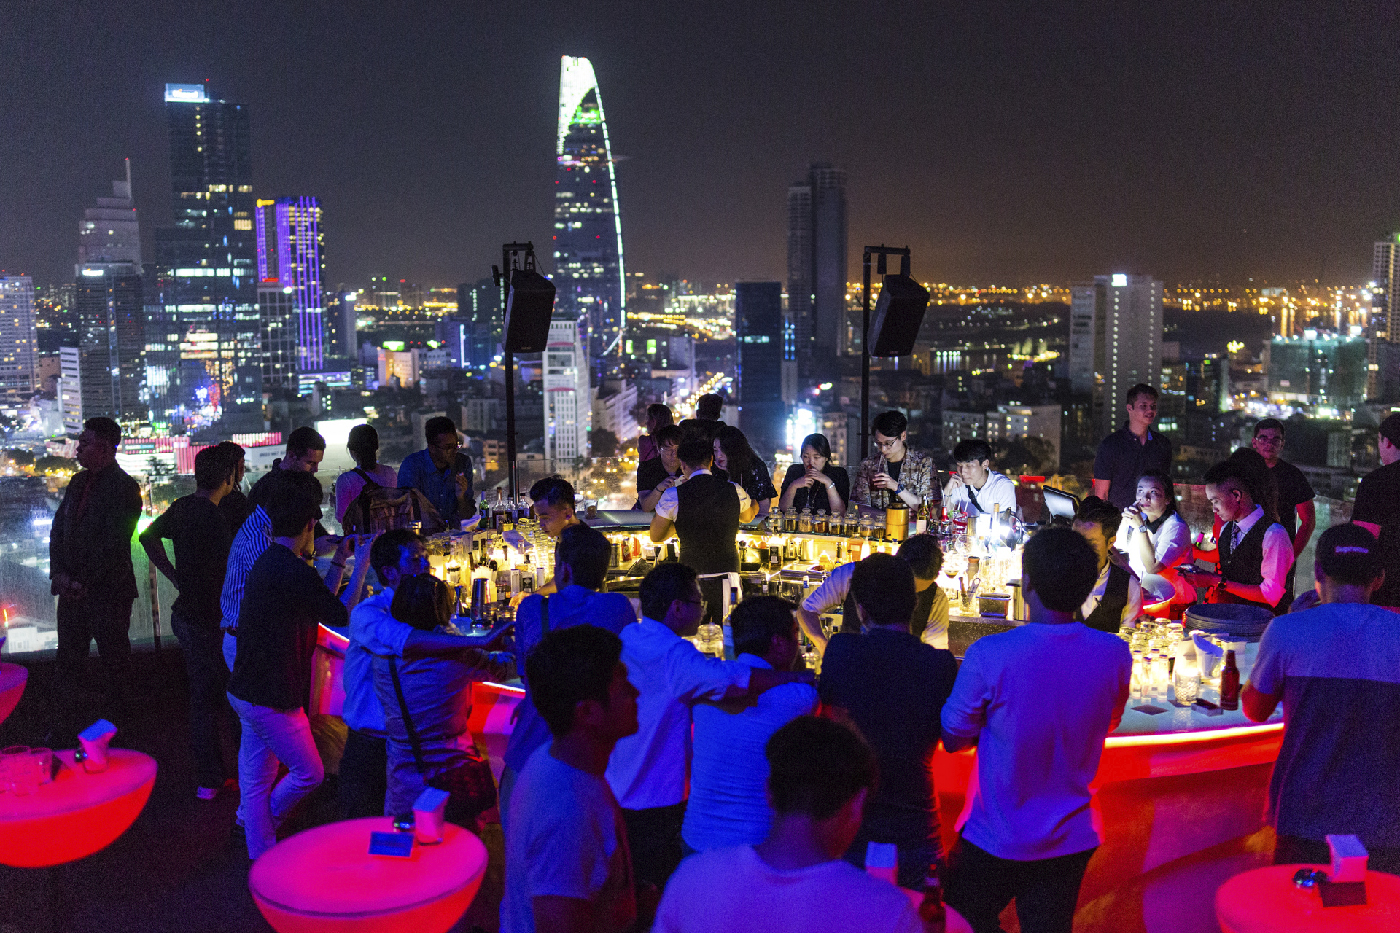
815, 483
735, 459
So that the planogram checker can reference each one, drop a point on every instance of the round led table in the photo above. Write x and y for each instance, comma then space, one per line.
12, 680
77, 813
324, 880
1265, 900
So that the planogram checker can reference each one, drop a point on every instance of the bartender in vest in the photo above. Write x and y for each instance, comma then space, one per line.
1255, 550
1116, 599
974, 487
703, 510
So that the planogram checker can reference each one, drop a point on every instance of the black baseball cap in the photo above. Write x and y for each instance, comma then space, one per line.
1349, 554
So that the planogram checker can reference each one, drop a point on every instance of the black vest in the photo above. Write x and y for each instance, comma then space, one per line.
707, 524
1244, 564
1108, 614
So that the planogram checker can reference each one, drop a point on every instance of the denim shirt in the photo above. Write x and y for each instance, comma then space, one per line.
438, 486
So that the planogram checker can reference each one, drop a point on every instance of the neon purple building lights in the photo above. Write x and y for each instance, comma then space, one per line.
290, 261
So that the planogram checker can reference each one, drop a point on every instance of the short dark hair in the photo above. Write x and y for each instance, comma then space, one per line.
1390, 428
1267, 424
889, 423
568, 666
696, 453
363, 439
708, 407
437, 426
232, 450
1258, 480
883, 585
1349, 554
922, 554
587, 554
387, 549
292, 502
555, 490
817, 442
667, 435
660, 414
1060, 567
816, 766
211, 467
105, 429
758, 620
1231, 472
664, 584
971, 451
1096, 511
303, 439
422, 601
1141, 388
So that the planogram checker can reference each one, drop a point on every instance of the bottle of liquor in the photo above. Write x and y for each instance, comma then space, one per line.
931, 909
1230, 683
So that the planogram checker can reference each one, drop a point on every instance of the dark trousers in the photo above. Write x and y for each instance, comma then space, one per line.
80, 621
363, 780
210, 715
980, 885
713, 593
1291, 850
915, 859
654, 839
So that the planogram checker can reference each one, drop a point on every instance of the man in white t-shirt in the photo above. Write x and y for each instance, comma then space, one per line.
930, 622
974, 487
1037, 701
567, 864
795, 881
728, 804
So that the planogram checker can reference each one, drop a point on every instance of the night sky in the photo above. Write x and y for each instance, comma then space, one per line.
1009, 143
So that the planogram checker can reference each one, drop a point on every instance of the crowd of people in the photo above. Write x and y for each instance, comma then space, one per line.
647, 783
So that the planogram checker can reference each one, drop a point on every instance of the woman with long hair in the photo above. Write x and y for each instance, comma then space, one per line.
737, 459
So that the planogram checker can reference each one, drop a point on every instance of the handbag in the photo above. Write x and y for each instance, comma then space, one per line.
470, 784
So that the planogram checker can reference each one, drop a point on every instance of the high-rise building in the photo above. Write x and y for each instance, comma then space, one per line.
588, 269
568, 402
1115, 342
817, 261
291, 303
1383, 334
1317, 370
208, 334
474, 333
17, 336
341, 339
765, 349
103, 370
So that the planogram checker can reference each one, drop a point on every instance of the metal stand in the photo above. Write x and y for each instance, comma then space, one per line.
511, 254
882, 252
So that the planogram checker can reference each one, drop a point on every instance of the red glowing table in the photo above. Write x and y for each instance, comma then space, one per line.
324, 880
12, 680
77, 813
1265, 900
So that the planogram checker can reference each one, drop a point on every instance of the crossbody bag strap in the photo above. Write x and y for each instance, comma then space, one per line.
407, 719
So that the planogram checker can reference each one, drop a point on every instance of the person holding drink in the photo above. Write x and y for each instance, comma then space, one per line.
899, 473
816, 483
974, 487
1157, 540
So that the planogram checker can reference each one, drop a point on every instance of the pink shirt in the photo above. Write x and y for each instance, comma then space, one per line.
349, 485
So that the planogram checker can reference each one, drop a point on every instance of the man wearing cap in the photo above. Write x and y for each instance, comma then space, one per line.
1336, 669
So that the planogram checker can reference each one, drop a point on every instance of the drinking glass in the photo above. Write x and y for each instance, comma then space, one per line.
1187, 681
15, 769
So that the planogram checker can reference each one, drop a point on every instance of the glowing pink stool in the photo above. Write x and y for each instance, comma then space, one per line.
77, 813
324, 880
1265, 900
12, 680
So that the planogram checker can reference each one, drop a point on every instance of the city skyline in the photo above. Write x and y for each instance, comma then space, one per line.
1027, 146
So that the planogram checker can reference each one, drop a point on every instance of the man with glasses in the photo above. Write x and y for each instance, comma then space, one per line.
897, 472
1296, 512
441, 472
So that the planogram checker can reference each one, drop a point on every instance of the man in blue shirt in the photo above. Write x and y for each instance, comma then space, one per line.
441, 472
581, 561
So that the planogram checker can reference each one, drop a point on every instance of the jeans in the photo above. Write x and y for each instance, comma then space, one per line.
201, 642
80, 621
654, 840
980, 885
363, 775
270, 736
914, 859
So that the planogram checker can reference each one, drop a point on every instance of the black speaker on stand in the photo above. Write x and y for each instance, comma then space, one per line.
898, 315
529, 304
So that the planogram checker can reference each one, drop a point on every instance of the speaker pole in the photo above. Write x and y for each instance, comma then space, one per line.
883, 252
510, 253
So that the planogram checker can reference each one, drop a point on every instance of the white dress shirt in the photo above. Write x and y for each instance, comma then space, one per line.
1171, 546
651, 768
998, 490
1278, 554
666, 505
831, 595
373, 631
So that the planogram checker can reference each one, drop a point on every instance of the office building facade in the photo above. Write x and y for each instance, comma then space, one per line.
17, 337
568, 402
588, 264
765, 348
1383, 332
1115, 342
817, 262
291, 298
474, 333
208, 338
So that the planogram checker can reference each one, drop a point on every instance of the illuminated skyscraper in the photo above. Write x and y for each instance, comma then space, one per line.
588, 270
817, 261
291, 303
17, 336
205, 351
1383, 335
103, 374
766, 354
568, 401
1115, 342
